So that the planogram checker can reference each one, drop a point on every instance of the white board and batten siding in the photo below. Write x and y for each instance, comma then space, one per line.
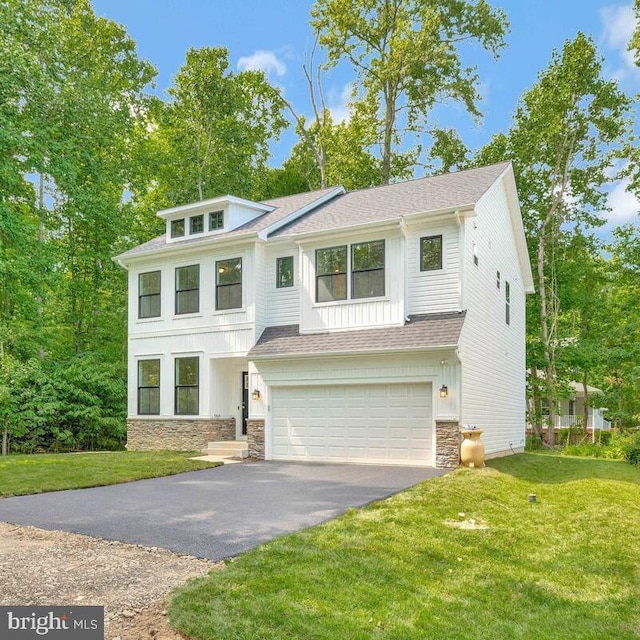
282, 304
493, 352
436, 291
388, 310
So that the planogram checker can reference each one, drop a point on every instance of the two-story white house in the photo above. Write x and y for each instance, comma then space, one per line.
363, 326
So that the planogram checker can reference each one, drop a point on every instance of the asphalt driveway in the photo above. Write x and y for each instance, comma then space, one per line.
216, 513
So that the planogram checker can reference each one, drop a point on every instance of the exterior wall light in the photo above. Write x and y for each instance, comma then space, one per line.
256, 394
444, 392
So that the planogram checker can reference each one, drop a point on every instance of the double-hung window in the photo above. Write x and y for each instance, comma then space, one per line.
187, 380
229, 284
149, 294
507, 302
148, 387
188, 289
363, 276
331, 274
367, 269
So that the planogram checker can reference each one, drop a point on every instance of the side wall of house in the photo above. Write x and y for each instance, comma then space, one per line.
492, 350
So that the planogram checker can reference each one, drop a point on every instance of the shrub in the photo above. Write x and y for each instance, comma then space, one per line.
631, 448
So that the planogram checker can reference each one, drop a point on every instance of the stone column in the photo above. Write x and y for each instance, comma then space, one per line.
447, 444
255, 438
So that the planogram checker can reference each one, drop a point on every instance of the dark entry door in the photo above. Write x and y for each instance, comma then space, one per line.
245, 401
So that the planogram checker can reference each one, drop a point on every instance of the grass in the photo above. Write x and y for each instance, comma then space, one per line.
421, 566
24, 474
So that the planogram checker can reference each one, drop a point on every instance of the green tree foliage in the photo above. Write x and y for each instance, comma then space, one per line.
72, 90
568, 129
407, 55
213, 136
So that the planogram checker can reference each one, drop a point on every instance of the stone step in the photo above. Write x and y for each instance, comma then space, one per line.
228, 449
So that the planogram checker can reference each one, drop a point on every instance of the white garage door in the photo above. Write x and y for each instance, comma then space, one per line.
382, 423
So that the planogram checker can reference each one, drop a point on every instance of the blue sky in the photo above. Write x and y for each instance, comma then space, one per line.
274, 35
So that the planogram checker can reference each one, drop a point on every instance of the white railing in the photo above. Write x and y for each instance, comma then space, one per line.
597, 421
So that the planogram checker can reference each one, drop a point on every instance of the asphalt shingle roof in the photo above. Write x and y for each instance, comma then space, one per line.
441, 330
378, 204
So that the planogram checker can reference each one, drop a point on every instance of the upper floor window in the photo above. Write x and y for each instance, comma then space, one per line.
187, 380
148, 387
188, 289
331, 274
431, 253
367, 269
216, 220
196, 224
507, 302
284, 272
149, 294
177, 228
475, 254
229, 284
498, 279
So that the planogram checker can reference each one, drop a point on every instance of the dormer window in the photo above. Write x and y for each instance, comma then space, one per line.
216, 220
196, 224
177, 228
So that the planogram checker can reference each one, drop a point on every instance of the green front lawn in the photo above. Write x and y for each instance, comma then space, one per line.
23, 474
461, 557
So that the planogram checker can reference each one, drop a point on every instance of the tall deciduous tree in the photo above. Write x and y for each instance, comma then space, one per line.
407, 54
213, 137
567, 129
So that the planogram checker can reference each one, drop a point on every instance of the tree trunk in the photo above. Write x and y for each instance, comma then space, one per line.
536, 404
585, 408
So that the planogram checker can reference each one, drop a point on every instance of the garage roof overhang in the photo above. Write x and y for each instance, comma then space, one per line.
433, 332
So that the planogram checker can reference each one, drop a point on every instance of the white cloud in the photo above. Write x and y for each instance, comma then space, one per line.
339, 104
624, 205
261, 60
619, 22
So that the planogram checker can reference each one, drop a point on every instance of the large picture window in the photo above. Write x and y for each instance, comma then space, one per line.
331, 274
431, 253
148, 387
229, 284
149, 294
188, 289
187, 377
367, 269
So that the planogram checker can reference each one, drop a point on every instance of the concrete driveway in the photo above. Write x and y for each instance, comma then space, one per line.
216, 513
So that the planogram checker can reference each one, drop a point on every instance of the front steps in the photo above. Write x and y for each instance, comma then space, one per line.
227, 449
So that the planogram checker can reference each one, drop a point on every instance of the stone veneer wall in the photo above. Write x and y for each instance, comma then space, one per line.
177, 434
255, 438
447, 443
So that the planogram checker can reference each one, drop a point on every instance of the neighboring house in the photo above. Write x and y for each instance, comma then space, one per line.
571, 411
363, 326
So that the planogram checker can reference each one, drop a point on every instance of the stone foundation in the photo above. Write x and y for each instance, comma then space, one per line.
447, 444
178, 434
255, 438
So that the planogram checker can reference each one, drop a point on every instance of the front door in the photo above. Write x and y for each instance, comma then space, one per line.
245, 401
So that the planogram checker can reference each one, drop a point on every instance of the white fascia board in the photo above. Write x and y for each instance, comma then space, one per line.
342, 354
466, 210
194, 207
176, 249
338, 191
509, 181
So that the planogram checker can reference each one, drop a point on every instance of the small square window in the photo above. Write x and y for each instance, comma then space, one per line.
216, 220
431, 253
177, 228
284, 272
196, 224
